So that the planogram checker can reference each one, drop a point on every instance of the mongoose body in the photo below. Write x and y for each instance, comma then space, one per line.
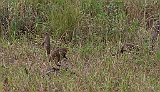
155, 35
157, 26
66, 64
46, 43
59, 53
156, 31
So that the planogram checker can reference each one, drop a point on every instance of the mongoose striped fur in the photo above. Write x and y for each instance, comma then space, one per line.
46, 43
59, 53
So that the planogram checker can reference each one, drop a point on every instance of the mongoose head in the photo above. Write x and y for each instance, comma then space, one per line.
46, 33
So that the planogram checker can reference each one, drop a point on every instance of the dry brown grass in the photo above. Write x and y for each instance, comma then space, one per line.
94, 32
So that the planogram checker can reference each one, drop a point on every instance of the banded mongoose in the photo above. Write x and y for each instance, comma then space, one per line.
59, 53
156, 31
46, 43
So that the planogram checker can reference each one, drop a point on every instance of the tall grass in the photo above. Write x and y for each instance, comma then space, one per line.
94, 31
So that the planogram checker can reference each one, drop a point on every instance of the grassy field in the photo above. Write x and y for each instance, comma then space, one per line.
94, 31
